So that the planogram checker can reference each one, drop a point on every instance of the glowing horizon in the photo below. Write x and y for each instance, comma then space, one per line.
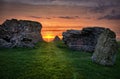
57, 16
55, 28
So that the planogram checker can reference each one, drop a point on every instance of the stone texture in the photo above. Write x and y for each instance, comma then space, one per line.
56, 39
20, 33
83, 40
106, 48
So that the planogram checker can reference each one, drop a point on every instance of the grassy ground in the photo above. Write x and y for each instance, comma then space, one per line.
53, 61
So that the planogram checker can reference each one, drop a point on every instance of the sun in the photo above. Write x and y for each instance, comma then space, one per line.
48, 37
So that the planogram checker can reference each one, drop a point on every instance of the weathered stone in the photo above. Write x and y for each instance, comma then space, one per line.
106, 48
4, 43
56, 39
20, 33
83, 40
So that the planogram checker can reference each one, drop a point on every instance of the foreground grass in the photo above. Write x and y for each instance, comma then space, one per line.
53, 61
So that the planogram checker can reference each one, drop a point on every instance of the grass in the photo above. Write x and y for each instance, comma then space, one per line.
53, 61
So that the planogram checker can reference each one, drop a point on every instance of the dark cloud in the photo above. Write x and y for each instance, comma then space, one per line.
110, 17
113, 15
54, 2
103, 6
37, 17
69, 17
95, 6
98, 9
62, 17
78, 2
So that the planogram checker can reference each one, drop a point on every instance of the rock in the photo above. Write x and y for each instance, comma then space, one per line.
20, 33
56, 39
106, 48
83, 40
4, 43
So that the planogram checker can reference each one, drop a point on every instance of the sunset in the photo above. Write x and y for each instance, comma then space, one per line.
48, 36
57, 16
59, 39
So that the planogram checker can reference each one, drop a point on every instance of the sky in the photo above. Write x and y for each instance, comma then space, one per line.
57, 16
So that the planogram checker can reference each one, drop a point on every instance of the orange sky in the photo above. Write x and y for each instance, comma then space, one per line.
55, 26
57, 16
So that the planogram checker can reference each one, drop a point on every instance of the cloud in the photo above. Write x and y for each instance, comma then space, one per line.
110, 17
54, 2
36, 17
62, 17
103, 6
69, 17
113, 15
96, 6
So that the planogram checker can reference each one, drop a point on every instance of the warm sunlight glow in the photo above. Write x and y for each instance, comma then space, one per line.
48, 36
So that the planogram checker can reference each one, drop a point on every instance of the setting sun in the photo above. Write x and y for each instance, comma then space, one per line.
48, 36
